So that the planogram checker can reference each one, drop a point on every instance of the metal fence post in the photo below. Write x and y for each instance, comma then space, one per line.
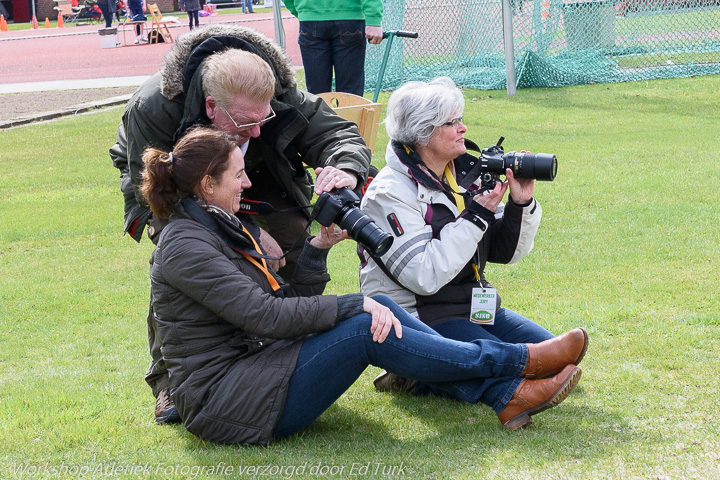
509, 47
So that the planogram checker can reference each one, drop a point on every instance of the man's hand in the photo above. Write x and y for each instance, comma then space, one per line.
330, 177
374, 34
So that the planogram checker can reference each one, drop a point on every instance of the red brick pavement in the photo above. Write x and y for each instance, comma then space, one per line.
75, 53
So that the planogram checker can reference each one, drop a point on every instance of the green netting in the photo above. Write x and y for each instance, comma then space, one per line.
556, 42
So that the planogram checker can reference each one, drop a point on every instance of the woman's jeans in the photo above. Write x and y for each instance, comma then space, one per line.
509, 327
333, 44
330, 362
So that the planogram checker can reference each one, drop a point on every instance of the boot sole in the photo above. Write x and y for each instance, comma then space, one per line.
560, 394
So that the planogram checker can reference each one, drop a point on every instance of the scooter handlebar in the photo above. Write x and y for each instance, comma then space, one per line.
400, 33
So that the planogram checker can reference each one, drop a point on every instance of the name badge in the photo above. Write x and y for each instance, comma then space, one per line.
483, 306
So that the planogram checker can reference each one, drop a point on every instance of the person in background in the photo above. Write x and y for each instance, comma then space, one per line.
137, 14
445, 229
238, 81
192, 7
247, 6
332, 39
253, 357
108, 9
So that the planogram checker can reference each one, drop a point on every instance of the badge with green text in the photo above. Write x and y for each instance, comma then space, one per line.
482, 308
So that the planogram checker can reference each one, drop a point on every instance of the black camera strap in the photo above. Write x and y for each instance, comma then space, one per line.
258, 207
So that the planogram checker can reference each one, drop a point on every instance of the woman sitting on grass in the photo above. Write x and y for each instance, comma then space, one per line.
446, 230
252, 358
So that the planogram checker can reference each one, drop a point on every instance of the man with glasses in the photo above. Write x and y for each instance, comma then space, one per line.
238, 81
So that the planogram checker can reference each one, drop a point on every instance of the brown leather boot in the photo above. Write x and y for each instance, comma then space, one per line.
534, 396
551, 356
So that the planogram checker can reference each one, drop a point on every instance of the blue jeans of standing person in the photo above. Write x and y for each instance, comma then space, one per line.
330, 362
247, 5
107, 14
337, 45
194, 15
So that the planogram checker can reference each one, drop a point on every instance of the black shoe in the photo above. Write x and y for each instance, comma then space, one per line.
389, 382
165, 411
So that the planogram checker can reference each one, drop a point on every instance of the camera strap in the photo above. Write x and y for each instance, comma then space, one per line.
258, 207
262, 264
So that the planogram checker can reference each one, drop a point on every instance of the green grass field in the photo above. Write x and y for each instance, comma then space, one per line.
628, 248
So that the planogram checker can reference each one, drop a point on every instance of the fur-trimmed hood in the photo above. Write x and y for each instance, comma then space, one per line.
173, 70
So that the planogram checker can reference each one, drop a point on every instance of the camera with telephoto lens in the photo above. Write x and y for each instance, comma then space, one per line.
339, 206
494, 161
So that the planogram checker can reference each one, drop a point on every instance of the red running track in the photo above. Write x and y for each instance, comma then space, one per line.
75, 53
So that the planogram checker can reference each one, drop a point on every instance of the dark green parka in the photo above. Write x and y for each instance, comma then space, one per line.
305, 130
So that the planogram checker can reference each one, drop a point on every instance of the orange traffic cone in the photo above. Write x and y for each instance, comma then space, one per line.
60, 23
34, 23
3, 24
47, 22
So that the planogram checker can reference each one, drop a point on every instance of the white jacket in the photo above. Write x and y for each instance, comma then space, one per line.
421, 263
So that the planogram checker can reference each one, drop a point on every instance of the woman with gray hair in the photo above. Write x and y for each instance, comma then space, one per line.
445, 231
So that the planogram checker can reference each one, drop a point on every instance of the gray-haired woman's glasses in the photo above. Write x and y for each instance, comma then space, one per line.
453, 123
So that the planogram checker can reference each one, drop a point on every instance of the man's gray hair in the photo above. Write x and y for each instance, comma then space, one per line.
236, 73
416, 109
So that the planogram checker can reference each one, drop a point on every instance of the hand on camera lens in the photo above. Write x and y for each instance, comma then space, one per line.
329, 236
521, 189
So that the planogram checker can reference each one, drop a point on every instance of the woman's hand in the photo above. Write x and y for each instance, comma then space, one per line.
492, 198
329, 236
521, 189
382, 320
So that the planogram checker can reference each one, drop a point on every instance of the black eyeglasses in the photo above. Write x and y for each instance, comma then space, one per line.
249, 125
453, 123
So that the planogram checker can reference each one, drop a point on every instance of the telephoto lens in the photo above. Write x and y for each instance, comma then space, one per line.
540, 166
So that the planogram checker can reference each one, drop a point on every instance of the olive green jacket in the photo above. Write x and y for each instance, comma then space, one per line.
305, 130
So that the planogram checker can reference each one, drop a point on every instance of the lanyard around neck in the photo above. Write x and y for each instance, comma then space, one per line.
460, 203
459, 200
262, 266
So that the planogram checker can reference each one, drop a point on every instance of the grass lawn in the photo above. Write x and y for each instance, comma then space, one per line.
628, 248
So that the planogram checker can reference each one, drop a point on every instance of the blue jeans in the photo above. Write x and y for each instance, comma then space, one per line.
333, 44
247, 5
194, 15
330, 362
509, 327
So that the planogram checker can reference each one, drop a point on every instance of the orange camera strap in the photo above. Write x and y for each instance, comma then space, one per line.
262, 266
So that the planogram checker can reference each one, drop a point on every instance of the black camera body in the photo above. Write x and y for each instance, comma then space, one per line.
494, 161
340, 206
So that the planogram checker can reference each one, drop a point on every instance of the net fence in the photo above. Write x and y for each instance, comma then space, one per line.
556, 42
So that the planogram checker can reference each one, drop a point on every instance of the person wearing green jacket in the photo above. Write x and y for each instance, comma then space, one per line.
332, 37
